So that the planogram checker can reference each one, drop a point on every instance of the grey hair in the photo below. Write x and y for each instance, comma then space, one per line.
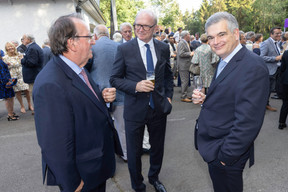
149, 12
117, 37
46, 42
125, 24
219, 16
184, 33
31, 37
15, 42
62, 30
101, 30
241, 33
249, 35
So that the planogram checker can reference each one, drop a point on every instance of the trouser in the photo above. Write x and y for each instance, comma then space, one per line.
134, 134
228, 178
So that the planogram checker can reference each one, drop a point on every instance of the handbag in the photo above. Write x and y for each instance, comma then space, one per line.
11, 83
195, 69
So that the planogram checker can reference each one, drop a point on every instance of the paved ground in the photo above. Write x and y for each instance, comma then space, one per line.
183, 169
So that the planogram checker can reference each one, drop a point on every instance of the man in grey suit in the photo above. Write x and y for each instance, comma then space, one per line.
104, 52
184, 56
270, 52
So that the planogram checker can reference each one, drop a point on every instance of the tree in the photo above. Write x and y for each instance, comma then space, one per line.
126, 10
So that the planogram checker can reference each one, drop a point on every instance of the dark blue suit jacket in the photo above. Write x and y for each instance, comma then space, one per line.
74, 129
32, 62
233, 111
129, 69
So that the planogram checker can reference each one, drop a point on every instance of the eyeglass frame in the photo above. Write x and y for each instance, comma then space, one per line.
142, 26
84, 36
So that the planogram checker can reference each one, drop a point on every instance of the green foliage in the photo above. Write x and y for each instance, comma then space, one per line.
252, 15
126, 10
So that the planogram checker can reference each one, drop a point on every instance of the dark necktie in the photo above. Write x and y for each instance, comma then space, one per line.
83, 73
277, 48
150, 67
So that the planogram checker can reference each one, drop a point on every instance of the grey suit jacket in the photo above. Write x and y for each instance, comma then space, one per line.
269, 53
183, 55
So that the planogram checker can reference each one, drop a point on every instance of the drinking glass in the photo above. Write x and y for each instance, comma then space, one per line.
150, 75
198, 84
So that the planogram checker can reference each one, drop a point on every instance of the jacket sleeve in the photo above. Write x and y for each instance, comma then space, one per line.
55, 134
250, 101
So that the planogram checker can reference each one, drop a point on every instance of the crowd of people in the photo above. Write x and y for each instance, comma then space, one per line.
97, 100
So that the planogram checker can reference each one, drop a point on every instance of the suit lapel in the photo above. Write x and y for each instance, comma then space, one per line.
135, 45
157, 48
274, 46
78, 83
233, 64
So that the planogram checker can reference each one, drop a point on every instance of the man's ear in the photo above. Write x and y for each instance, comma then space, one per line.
95, 37
71, 44
236, 34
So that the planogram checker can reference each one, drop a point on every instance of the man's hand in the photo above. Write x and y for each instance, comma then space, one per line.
198, 97
79, 188
144, 86
170, 101
278, 58
109, 94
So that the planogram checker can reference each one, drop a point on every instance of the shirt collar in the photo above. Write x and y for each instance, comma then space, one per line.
229, 57
71, 64
273, 40
142, 43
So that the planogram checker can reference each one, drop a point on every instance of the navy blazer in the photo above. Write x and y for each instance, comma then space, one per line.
74, 129
233, 111
129, 69
32, 62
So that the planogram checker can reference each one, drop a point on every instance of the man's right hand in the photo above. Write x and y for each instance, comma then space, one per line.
278, 58
144, 86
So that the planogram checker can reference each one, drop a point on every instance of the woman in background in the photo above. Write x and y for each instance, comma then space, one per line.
256, 45
7, 93
206, 59
13, 60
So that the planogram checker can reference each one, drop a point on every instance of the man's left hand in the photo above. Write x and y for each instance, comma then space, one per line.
109, 94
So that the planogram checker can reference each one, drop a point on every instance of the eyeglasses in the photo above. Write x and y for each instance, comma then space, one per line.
90, 37
144, 27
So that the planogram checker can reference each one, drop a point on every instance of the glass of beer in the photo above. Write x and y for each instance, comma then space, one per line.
150, 75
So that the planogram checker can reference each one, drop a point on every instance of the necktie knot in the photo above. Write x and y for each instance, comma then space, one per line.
147, 46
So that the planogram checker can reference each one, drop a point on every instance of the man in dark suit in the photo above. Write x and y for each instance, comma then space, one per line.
233, 109
144, 104
32, 62
47, 53
74, 128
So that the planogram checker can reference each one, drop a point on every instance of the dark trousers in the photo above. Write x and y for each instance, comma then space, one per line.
134, 138
284, 108
273, 80
228, 178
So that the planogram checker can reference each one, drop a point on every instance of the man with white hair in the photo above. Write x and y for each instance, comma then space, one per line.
32, 61
126, 32
145, 103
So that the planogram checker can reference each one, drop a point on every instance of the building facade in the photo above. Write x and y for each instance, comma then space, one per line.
20, 17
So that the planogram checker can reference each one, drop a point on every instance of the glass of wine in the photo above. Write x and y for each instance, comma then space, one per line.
198, 84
